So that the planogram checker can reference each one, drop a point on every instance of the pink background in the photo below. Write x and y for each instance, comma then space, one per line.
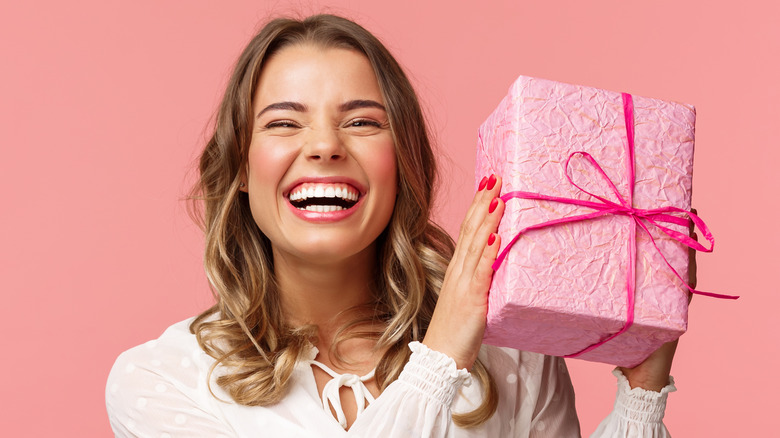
104, 104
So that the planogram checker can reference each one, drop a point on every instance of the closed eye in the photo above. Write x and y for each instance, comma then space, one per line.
363, 122
281, 124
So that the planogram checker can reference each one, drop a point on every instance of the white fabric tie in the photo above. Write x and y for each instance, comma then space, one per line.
330, 393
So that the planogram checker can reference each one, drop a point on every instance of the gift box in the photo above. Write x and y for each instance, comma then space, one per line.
597, 186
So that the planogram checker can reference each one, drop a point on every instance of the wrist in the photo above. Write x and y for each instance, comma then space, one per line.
653, 373
649, 379
462, 361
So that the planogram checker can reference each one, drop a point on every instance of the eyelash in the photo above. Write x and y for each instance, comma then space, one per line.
282, 124
358, 123
364, 122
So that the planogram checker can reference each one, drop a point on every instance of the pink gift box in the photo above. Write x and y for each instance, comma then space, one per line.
565, 288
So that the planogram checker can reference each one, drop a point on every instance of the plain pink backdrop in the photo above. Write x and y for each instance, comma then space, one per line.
104, 105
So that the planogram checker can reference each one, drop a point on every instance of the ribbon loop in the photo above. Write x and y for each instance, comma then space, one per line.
600, 172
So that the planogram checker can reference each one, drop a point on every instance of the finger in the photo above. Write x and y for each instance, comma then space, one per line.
483, 274
482, 196
692, 267
475, 217
468, 218
691, 225
480, 245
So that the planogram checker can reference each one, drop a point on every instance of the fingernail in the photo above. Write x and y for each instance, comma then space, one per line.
493, 205
482, 184
491, 239
491, 182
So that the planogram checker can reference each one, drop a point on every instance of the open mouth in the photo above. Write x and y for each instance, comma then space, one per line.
324, 198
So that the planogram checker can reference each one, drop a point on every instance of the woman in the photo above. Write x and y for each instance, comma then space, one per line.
342, 310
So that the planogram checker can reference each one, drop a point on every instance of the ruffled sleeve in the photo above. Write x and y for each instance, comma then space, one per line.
637, 412
419, 402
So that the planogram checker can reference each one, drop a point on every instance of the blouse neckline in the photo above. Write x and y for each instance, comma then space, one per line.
331, 398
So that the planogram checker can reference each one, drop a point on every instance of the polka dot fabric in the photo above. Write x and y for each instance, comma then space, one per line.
160, 390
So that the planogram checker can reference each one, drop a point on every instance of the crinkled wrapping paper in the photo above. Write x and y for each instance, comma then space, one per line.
563, 288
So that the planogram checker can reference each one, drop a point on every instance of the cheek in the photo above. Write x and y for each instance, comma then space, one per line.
388, 170
266, 166
385, 173
383, 165
267, 163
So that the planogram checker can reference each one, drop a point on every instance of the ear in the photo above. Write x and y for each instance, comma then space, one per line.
242, 178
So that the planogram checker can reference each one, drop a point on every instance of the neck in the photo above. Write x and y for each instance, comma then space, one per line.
321, 293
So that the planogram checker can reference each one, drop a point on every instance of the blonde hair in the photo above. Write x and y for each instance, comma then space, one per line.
245, 330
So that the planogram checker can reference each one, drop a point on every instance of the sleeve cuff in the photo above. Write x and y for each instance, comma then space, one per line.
433, 374
639, 404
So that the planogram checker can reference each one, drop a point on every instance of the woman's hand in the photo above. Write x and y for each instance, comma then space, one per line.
653, 373
458, 322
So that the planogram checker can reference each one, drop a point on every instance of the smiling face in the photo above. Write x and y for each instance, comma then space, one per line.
321, 172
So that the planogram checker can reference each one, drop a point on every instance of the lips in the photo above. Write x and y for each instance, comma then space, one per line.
324, 197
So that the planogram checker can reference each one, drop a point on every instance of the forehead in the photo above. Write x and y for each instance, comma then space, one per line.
308, 73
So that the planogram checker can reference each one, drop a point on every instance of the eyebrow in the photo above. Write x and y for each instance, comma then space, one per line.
344, 107
293, 106
355, 104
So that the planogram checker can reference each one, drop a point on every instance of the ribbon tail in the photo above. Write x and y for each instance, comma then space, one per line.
677, 274
360, 397
332, 398
713, 295
652, 216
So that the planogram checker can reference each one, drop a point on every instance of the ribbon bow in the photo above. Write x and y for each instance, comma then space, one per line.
641, 218
331, 397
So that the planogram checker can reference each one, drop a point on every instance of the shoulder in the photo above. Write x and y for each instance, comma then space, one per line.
165, 385
175, 350
170, 366
174, 356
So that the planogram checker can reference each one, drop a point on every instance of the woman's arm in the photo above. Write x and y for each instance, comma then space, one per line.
458, 323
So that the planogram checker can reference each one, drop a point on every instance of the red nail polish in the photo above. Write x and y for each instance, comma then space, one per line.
491, 239
482, 184
491, 182
493, 205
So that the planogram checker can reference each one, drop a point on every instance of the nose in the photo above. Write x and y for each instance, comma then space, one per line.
324, 144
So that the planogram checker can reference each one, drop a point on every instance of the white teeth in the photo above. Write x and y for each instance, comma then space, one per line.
322, 208
324, 191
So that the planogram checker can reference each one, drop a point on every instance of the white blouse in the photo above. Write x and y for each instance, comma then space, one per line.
160, 390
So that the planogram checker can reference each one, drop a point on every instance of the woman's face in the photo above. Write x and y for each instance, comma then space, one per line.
321, 174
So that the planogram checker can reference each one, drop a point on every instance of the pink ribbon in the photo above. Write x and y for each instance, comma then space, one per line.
641, 218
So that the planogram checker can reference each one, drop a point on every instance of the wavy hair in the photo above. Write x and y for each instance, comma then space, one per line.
245, 330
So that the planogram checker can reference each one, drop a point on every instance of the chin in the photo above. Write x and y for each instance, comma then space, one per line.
332, 250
